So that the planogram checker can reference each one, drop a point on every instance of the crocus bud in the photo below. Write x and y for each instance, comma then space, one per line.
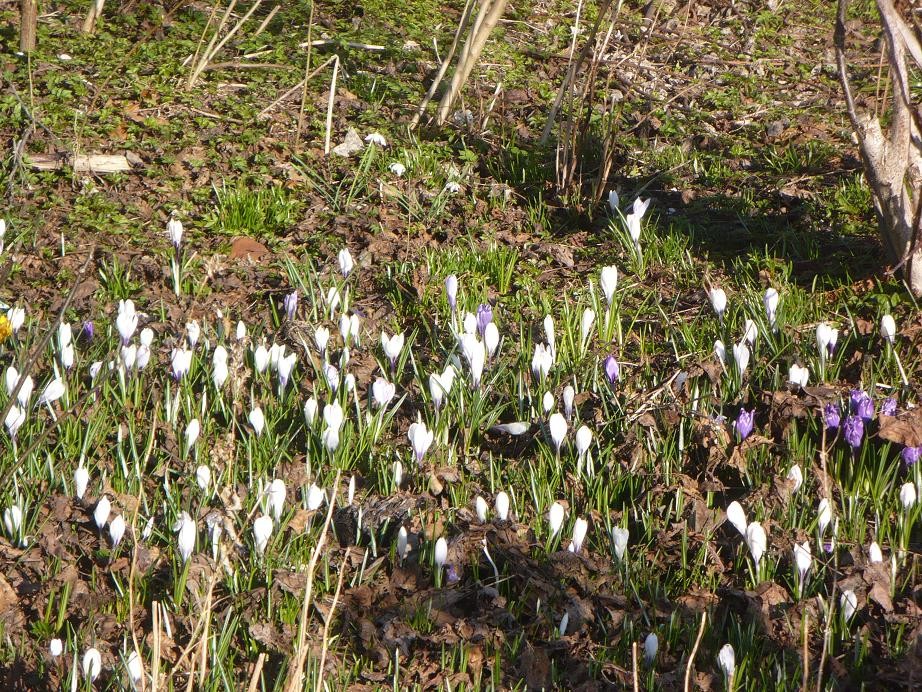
174, 231
185, 540
101, 513
608, 280
258, 420
402, 543
291, 305
441, 552
275, 498
612, 369
726, 659
12, 520
718, 301
117, 530
55, 647
382, 392
555, 518
737, 516
420, 439
569, 394
803, 559
346, 263
796, 476
744, 424
824, 515
135, 668
888, 328
92, 664
613, 200
502, 506
53, 391
203, 477
81, 480
547, 402
491, 338
262, 531
484, 317
874, 553
193, 429
619, 538
310, 411
770, 300
741, 358
549, 336
451, 291
750, 332
579, 535
650, 647
853, 431
585, 325
848, 602
908, 495
798, 375
721, 352
583, 440
757, 542
557, 425
481, 508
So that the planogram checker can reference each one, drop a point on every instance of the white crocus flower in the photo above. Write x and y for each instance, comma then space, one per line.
397, 169
803, 558
557, 426
481, 508
555, 517
726, 659
796, 476
16, 317
824, 515
193, 430
257, 420
633, 219
262, 532
203, 477
421, 439
848, 602
491, 338
12, 520
117, 530
92, 664
650, 647
220, 371
620, 538
127, 320
737, 516
757, 541
275, 498
741, 358
261, 358
322, 338
53, 391
345, 262
441, 553
392, 346
770, 300
583, 441
383, 392
798, 375
81, 480
135, 668
315, 497
549, 336
750, 332
55, 647
908, 495
888, 328
403, 543
718, 298
874, 553
14, 420
613, 200
101, 513
569, 395
585, 325
501, 504
333, 415
541, 362
608, 280
547, 402
579, 535
310, 411
193, 332
185, 540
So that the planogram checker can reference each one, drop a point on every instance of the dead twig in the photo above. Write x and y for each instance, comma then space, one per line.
694, 651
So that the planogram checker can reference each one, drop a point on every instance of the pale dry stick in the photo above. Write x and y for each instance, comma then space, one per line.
464, 69
443, 68
293, 89
322, 42
307, 68
329, 127
201, 39
214, 37
464, 55
209, 56
155, 665
634, 667
209, 606
95, 11
262, 27
257, 671
570, 75
27, 25
806, 653
694, 651
134, 551
296, 673
326, 628
826, 635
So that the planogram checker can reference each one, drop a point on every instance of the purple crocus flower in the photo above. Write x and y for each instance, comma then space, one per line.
451, 291
911, 455
888, 406
612, 369
484, 317
291, 305
832, 416
745, 423
861, 405
853, 430
88, 331
451, 573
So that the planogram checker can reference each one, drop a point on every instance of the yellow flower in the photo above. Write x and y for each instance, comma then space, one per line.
5, 328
